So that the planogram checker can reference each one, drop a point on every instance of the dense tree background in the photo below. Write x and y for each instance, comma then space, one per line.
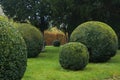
74, 12
36, 11
70, 12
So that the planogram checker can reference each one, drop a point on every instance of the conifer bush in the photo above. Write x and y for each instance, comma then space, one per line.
56, 43
33, 38
100, 39
74, 56
13, 53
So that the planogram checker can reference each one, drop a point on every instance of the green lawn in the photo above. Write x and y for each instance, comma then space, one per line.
46, 67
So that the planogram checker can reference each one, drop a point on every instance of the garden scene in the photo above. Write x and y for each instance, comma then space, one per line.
59, 40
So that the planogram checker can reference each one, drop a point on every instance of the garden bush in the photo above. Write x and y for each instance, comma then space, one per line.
56, 43
100, 39
56, 35
33, 38
3, 18
13, 53
74, 56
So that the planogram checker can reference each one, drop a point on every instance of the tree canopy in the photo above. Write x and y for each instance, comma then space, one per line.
70, 12
36, 11
74, 12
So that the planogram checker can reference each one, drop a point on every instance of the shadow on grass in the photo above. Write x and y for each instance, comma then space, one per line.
115, 59
86, 69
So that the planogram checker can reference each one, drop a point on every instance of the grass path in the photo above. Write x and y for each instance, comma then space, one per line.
46, 67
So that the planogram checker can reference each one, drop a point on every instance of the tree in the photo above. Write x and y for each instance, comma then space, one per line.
70, 12
75, 12
36, 11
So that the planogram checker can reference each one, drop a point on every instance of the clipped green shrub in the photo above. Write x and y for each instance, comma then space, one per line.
100, 39
13, 53
56, 43
3, 18
33, 38
74, 56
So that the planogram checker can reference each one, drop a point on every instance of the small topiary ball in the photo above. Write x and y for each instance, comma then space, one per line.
100, 39
74, 56
33, 38
13, 53
56, 43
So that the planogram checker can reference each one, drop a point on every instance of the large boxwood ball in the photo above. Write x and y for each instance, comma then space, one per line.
100, 39
33, 38
13, 53
74, 56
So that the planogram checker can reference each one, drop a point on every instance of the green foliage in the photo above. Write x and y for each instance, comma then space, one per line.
3, 18
74, 56
75, 12
47, 67
70, 12
33, 10
13, 53
100, 39
33, 38
56, 43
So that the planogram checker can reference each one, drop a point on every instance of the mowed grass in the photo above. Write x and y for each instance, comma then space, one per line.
46, 67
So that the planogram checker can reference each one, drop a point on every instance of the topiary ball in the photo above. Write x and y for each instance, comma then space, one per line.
13, 53
33, 38
56, 43
100, 39
3, 18
74, 56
